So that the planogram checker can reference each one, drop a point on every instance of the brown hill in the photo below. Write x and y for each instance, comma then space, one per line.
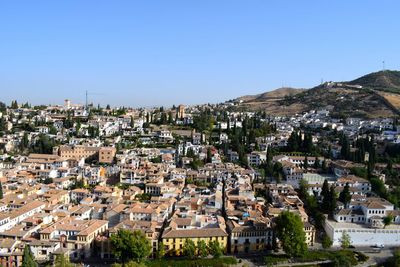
373, 95
387, 80
274, 94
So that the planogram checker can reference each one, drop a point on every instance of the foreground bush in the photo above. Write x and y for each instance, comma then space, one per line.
341, 258
215, 262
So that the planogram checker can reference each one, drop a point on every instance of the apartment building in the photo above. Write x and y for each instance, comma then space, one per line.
195, 227
77, 152
249, 234
77, 236
12, 218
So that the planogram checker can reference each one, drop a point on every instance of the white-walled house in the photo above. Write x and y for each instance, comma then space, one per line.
363, 222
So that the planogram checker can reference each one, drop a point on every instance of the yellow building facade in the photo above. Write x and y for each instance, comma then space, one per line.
174, 240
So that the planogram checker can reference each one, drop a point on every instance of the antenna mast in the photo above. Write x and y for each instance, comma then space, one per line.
383, 65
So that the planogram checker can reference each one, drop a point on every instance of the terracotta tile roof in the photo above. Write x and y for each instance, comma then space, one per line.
193, 233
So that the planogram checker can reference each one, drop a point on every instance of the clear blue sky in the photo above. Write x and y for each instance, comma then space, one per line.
147, 53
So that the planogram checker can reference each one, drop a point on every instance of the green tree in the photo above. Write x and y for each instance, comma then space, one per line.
14, 104
215, 249
77, 127
129, 264
189, 249
27, 258
388, 220
303, 189
1, 191
324, 167
395, 260
290, 231
62, 261
170, 118
132, 123
52, 130
160, 251
332, 200
345, 196
378, 186
326, 242
202, 249
128, 245
345, 150
2, 124
3, 107
307, 145
345, 241
269, 155
277, 169
48, 180
325, 196
24, 141
93, 131
293, 142
316, 163
305, 165
44, 145
164, 118
341, 261
68, 123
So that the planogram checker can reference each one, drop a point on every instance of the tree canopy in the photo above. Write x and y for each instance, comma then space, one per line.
345, 241
27, 258
62, 261
202, 249
215, 249
345, 196
128, 245
189, 248
290, 231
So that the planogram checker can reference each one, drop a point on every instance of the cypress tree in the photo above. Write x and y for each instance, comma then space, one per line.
345, 195
305, 165
332, 200
316, 163
27, 258
325, 195
324, 167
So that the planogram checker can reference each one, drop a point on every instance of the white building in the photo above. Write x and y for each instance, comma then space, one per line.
257, 158
363, 222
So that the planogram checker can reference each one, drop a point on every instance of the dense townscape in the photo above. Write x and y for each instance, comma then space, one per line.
85, 182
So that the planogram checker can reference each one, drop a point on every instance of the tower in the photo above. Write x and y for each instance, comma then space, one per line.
67, 103
181, 111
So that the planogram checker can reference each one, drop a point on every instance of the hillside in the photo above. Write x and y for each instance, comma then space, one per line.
275, 94
388, 81
373, 95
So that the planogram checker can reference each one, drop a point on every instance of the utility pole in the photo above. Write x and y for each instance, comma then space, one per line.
383, 65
